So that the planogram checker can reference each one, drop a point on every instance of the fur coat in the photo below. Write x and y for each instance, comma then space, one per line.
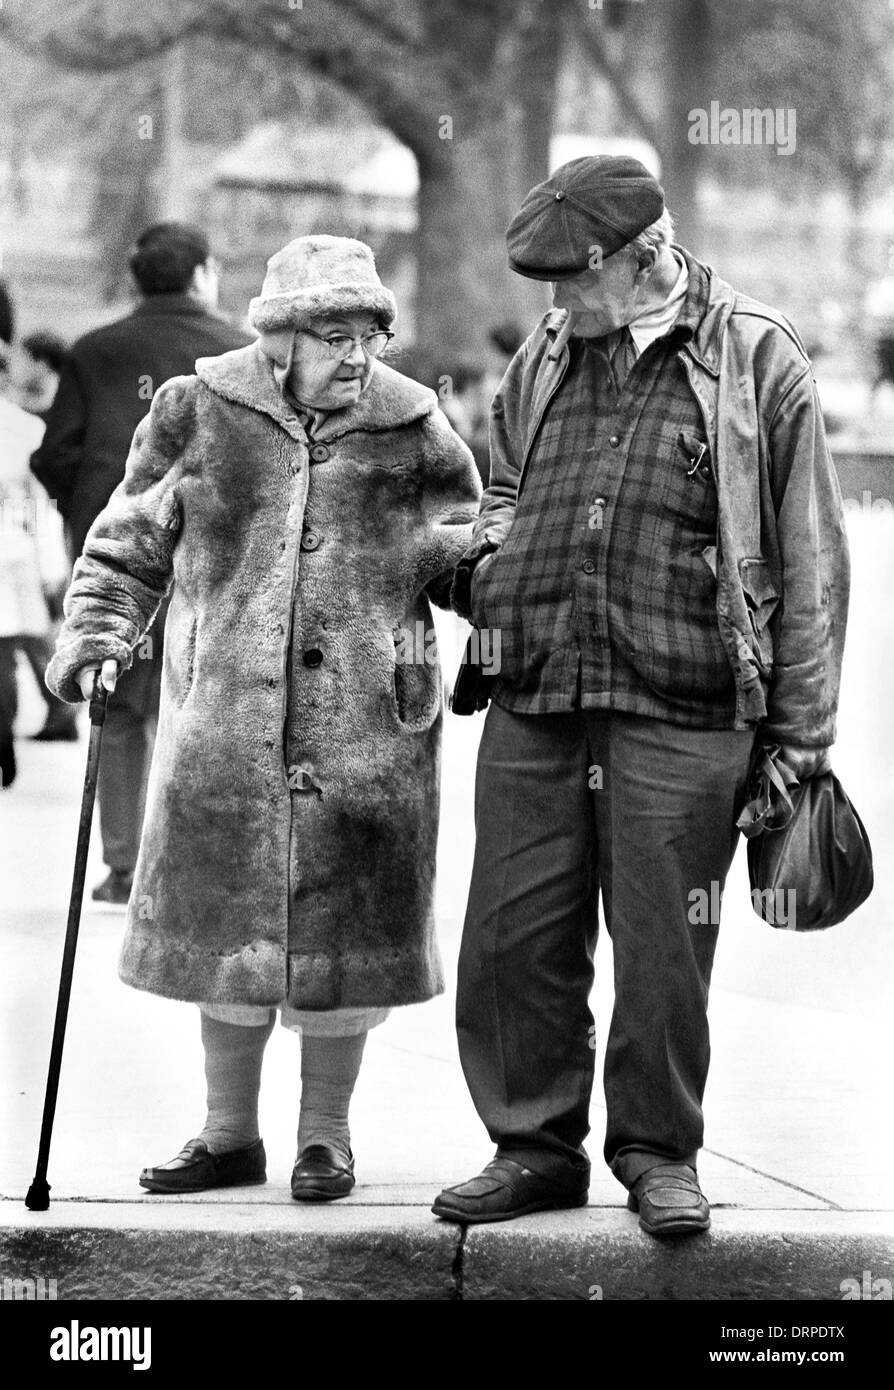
288, 851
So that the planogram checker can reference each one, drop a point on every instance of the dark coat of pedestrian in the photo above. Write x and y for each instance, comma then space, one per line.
106, 388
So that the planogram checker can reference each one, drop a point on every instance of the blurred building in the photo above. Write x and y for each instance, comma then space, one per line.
285, 180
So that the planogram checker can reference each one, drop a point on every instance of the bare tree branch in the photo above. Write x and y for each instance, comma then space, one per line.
595, 48
394, 72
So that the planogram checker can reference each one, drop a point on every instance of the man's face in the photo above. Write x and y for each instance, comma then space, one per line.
606, 298
206, 283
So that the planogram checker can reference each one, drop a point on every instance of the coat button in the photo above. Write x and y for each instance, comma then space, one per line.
319, 453
588, 567
310, 540
313, 657
614, 440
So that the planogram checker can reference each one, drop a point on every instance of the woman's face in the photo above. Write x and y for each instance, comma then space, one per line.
329, 381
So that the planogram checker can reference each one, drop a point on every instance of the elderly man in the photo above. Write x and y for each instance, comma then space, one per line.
661, 549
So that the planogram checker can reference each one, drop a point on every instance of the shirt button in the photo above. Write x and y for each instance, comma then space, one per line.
614, 440
588, 567
310, 540
313, 657
319, 453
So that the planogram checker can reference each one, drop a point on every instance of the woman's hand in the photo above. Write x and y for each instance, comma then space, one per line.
85, 675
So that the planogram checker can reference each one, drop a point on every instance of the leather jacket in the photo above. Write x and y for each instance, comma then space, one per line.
781, 557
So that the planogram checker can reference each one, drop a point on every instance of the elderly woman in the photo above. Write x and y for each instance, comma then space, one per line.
307, 501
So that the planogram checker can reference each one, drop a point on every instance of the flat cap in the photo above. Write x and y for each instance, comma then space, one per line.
599, 201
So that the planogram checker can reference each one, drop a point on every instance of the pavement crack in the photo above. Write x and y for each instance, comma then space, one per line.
456, 1268
782, 1182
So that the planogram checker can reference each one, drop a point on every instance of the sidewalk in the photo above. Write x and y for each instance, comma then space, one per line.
798, 1137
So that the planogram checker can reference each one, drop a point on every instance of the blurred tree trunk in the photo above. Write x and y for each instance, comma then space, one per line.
468, 85
126, 189
171, 193
477, 164
687, 55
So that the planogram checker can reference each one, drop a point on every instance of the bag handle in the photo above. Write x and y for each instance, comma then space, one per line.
771, 806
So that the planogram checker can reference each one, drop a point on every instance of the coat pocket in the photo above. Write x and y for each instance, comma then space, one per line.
180, 639
761, 600
416, 679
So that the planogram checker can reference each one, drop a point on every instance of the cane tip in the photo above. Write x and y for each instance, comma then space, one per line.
38, 1198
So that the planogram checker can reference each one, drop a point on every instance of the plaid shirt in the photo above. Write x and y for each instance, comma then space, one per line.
603, 591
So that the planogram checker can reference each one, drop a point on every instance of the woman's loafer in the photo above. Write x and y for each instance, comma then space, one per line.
195, 1169
670, 1201
507, 1189
321, 1174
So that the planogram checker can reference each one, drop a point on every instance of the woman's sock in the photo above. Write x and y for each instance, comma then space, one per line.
233, 1057
329, 1070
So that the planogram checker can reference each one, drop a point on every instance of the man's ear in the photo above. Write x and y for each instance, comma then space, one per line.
646, 262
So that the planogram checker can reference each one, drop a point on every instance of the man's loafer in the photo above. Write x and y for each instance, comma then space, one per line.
504, 1190
670, 1201
321, 1174
195, 1169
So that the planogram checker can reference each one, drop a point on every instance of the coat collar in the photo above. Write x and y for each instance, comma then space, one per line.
245, 376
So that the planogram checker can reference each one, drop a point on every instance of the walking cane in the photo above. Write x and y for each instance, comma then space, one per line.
38, 1198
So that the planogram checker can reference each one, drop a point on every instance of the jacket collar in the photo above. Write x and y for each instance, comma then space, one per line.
703, 319
705, 341
245, 376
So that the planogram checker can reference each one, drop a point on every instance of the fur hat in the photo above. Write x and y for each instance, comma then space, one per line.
317, 275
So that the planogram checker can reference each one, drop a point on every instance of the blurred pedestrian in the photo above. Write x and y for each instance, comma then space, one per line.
308, 503
33, 574
106, 387
465, 400
670, 587
879, 317
7, 315
44, 356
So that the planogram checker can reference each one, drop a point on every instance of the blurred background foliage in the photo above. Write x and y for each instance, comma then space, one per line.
234, 91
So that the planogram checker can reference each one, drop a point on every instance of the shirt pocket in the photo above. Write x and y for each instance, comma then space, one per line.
689, 495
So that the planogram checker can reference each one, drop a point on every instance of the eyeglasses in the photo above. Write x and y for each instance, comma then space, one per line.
341, 345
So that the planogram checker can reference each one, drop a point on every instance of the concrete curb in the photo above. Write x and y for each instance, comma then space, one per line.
182, 1251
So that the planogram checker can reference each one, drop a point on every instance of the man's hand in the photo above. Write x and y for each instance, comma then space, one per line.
84, 677
805, 762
